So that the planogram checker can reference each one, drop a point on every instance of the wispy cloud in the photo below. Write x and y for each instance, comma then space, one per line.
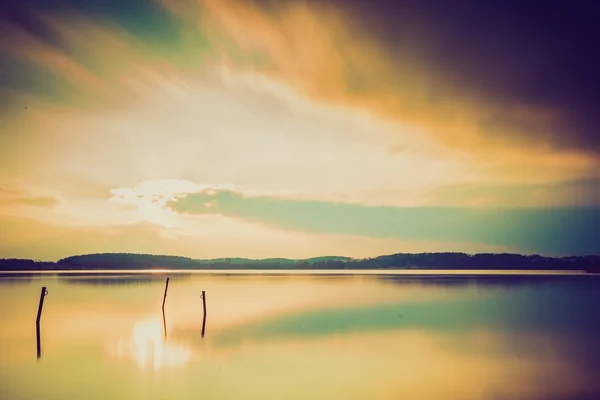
10, 198
329, 54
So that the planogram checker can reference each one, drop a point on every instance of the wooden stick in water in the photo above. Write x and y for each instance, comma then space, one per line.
165, 296
204, 306
37, 321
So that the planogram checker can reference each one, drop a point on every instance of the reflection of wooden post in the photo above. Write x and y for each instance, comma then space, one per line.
164, 323
203, 306
165, 296
37, 321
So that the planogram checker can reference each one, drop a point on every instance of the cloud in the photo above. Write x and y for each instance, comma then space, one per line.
271, 68
15, 198
207, 237
569, 193
305, 101
553, 231
29, 238
205, 133
532, 66
375, 56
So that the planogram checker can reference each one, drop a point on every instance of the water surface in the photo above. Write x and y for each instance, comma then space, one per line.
311, 336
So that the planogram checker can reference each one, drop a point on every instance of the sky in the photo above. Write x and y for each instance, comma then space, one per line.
224, 128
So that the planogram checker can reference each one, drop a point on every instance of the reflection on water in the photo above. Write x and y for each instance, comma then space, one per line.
148, 348
299, 337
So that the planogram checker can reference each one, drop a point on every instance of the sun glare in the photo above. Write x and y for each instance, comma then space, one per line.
149, 349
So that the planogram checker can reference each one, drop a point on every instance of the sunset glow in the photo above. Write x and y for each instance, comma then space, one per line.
225, 128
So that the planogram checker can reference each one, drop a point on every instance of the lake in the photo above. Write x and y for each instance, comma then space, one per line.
301, 336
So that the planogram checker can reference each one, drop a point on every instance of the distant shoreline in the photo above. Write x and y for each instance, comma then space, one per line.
395, 262
307, 272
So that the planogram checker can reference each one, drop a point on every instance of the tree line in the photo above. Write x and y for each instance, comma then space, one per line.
442, 261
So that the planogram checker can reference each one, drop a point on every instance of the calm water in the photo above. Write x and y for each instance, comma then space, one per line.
301, 337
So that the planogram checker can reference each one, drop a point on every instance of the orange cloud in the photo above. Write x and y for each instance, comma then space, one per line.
326, 53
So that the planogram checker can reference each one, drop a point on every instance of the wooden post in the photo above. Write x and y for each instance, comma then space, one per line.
41, 305
204, 307
165, 296
37, 321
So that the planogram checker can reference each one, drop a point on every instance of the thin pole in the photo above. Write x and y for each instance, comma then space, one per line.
37, 321
165, 296
204, 307
41, 305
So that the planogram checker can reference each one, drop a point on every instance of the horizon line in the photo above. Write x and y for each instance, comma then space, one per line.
302, 259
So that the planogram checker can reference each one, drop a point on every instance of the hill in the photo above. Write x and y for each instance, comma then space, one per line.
454, 261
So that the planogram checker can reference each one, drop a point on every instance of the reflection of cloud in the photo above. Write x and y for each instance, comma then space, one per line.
415, 364
468, 360
148, 348
458, 314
